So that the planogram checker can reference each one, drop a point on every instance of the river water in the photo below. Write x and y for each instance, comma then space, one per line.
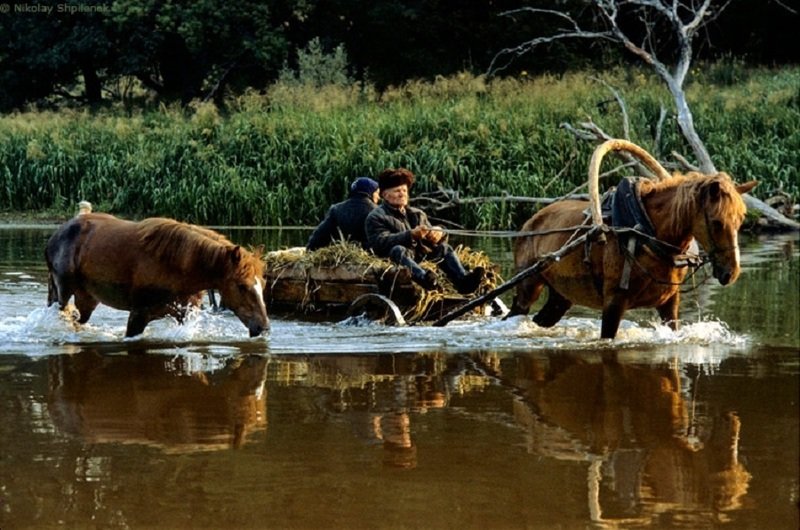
483, 423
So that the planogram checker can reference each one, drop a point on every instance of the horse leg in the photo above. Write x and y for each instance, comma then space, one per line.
139, 318
612, 316
555, 308
179, 308
137, 321
528, 292
85, 304
668, 311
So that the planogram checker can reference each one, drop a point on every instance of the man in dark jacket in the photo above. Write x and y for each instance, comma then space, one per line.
403, 234
345, 220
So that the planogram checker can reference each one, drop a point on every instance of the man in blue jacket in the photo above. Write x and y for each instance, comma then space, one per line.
345, 220
403, 234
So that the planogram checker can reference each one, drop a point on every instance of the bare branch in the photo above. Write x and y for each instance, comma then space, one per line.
621, 102
662, 115
574, 32
786, 7
684, 163
684, 17
697, 14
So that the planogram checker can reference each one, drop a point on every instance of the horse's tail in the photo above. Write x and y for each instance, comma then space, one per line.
52, 287
52, 290
59, 254
594, 169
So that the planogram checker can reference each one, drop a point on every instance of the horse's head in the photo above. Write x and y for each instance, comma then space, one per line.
242, 290
716, 224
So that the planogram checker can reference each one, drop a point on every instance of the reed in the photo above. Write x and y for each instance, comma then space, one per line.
282, 157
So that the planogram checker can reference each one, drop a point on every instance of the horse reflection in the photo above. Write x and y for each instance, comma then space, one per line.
634, 425
157, 401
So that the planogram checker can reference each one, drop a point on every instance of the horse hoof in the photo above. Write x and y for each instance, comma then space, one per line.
70, 315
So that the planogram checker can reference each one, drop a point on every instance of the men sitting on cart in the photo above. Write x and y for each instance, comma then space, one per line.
403, 234
345, 220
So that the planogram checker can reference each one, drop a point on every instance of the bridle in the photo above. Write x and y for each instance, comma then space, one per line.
715, 249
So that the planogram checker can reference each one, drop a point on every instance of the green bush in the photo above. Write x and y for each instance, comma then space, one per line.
282, 157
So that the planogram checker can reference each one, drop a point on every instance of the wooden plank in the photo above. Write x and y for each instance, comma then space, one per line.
299, 293
342, 292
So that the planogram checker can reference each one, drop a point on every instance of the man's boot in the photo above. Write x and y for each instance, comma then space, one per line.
470, 283
422, 277
465, 283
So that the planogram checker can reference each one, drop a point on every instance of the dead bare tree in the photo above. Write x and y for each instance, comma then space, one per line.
684, 18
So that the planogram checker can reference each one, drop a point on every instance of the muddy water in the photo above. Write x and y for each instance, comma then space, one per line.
481, 424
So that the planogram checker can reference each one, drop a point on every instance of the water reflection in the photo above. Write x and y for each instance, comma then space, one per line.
378, 394
157, 400
615, 437
651, 446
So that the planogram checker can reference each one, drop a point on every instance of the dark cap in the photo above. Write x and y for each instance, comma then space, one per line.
364, 185
391, 178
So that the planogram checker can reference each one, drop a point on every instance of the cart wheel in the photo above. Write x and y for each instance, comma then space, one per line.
378, 308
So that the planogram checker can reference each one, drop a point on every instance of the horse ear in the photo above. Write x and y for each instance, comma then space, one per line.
713, 190
747, 186
236, 254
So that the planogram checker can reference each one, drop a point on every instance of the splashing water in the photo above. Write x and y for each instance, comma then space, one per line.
221, 334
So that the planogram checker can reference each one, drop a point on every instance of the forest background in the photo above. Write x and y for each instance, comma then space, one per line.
261, 113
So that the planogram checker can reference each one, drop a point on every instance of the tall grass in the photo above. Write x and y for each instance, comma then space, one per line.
281, 158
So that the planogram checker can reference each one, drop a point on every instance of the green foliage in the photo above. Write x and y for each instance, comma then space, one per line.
274, 160
176, 50
318, 69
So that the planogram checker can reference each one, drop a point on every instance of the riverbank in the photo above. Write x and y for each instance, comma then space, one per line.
282, 159
22, 219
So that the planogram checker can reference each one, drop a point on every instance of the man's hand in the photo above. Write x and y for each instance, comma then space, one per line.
420, 232
434, 235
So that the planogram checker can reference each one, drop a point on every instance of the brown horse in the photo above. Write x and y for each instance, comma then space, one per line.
679, 208
152, 268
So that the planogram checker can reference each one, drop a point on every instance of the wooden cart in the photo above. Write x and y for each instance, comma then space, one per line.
338, 289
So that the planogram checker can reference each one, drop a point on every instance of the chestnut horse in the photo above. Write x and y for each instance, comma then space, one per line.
679, 208
152, 268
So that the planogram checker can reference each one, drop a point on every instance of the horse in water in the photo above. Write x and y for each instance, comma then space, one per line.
638, 266
152, 268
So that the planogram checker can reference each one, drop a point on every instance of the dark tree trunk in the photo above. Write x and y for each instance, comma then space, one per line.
92, 84
181, 76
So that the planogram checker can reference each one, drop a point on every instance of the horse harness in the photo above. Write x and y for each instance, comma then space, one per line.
623, 210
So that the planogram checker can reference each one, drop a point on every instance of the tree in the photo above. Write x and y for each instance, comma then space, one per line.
42, 55
180, 50
661, 33
184, 50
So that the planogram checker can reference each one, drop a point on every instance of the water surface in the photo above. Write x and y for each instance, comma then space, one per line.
481, 424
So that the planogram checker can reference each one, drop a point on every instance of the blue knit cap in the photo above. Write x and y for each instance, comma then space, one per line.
364, 185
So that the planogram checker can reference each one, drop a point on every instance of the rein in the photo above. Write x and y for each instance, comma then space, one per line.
513, 233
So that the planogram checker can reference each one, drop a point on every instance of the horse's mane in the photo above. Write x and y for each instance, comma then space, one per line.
690, 194
184, 246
